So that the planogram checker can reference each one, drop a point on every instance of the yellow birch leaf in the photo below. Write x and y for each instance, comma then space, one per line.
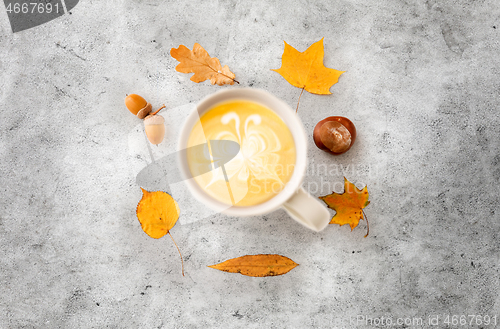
348, 205
257, 265
204, 67
306, 70
157, 212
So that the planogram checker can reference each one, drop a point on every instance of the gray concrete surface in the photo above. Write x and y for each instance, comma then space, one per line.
421, 85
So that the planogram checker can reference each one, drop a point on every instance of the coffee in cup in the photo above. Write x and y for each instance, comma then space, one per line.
252, 134
264, 163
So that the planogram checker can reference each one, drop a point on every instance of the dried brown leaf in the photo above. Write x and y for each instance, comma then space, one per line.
204, 67
257, 265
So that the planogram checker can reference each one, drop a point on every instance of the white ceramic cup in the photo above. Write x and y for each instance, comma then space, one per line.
299, 204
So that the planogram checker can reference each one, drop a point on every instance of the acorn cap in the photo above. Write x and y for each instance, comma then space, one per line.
154, 120
144, 111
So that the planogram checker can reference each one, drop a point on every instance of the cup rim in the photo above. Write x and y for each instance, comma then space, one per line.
291, 120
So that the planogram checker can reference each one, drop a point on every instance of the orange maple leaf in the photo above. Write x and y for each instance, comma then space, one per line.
204, 67
306, 70
257, 265
348, 205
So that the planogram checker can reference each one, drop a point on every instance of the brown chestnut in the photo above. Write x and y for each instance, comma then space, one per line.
334, 135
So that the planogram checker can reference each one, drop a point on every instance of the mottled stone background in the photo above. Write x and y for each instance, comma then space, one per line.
421, 84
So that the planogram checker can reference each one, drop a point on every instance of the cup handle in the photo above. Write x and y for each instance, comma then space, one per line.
307, 210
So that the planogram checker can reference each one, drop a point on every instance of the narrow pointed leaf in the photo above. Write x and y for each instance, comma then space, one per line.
257, 265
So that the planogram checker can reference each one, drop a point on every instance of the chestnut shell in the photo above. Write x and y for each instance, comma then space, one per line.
345, 122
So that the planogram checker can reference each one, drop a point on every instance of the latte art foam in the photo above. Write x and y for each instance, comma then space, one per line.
264, 163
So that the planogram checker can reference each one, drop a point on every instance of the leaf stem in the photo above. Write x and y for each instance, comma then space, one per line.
367, 225
182, 261
228, 77
161, 108
299, 99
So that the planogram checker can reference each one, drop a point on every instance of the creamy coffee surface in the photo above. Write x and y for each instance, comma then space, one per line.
261, 167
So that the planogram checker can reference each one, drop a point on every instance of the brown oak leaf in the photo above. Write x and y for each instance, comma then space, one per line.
204, 67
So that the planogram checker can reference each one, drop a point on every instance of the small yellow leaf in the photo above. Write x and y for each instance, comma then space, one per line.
306, 69
204, 67
348, 205
157, 212
257, 265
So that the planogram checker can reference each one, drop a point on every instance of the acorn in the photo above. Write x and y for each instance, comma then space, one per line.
154, 125
138, 105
